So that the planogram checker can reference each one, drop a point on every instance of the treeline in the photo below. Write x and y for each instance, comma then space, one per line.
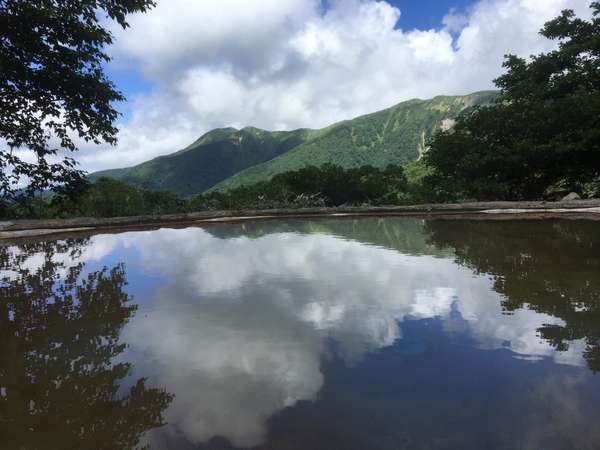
327, 185
104, 198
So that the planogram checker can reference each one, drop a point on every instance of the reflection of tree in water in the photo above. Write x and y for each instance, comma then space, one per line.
551, 267
394, 233
59, 331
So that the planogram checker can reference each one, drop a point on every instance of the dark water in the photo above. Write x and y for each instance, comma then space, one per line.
327, 334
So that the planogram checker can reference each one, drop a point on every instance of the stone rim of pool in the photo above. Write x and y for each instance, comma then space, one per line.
577, 209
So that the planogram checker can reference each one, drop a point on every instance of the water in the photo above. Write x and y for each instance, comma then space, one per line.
324, 334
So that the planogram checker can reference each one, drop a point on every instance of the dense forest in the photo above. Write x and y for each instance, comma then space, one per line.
539, 139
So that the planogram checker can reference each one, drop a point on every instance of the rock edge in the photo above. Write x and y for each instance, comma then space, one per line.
474, 210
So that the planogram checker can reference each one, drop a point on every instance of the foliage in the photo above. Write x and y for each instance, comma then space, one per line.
105, 198
591, 189
327, 185
418, 190
310, 186
53, 90
543, 133
110, 198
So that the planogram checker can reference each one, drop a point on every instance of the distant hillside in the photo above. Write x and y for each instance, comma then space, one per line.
211, 159
226, 158
393, 136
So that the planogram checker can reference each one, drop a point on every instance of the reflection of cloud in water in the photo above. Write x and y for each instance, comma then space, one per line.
230, 367
240, 329
96, 250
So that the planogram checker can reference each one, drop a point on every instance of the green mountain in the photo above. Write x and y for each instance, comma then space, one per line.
215, 156
226, 158
396, 135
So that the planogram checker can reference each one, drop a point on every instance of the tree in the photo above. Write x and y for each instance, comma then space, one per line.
543, 133
53, 89
312, 186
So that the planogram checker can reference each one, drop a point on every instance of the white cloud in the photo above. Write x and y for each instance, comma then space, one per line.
283, 64
455, 21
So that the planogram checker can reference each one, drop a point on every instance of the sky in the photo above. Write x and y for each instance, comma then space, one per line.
189, 66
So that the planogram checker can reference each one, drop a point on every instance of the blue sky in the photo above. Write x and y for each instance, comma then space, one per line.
426, 14
129, 81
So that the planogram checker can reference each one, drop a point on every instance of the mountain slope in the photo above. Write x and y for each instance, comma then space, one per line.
393, 136
226, 157
211, 159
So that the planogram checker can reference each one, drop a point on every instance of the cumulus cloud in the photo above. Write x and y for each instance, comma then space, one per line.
284, 64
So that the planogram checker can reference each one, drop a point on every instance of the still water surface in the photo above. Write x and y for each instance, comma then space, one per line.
324, 334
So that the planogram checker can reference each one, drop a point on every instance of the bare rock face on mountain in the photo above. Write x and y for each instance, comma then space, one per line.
571, 197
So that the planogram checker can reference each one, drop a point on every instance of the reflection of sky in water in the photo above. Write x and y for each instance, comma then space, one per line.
240, 328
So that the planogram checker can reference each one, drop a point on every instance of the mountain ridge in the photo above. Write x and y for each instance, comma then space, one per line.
225, 158
210, 159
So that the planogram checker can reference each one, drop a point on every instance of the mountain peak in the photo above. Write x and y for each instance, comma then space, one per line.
218, 134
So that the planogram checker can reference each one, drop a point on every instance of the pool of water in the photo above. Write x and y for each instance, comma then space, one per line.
375, 333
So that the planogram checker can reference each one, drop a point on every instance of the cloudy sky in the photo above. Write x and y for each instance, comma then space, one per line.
192, 65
